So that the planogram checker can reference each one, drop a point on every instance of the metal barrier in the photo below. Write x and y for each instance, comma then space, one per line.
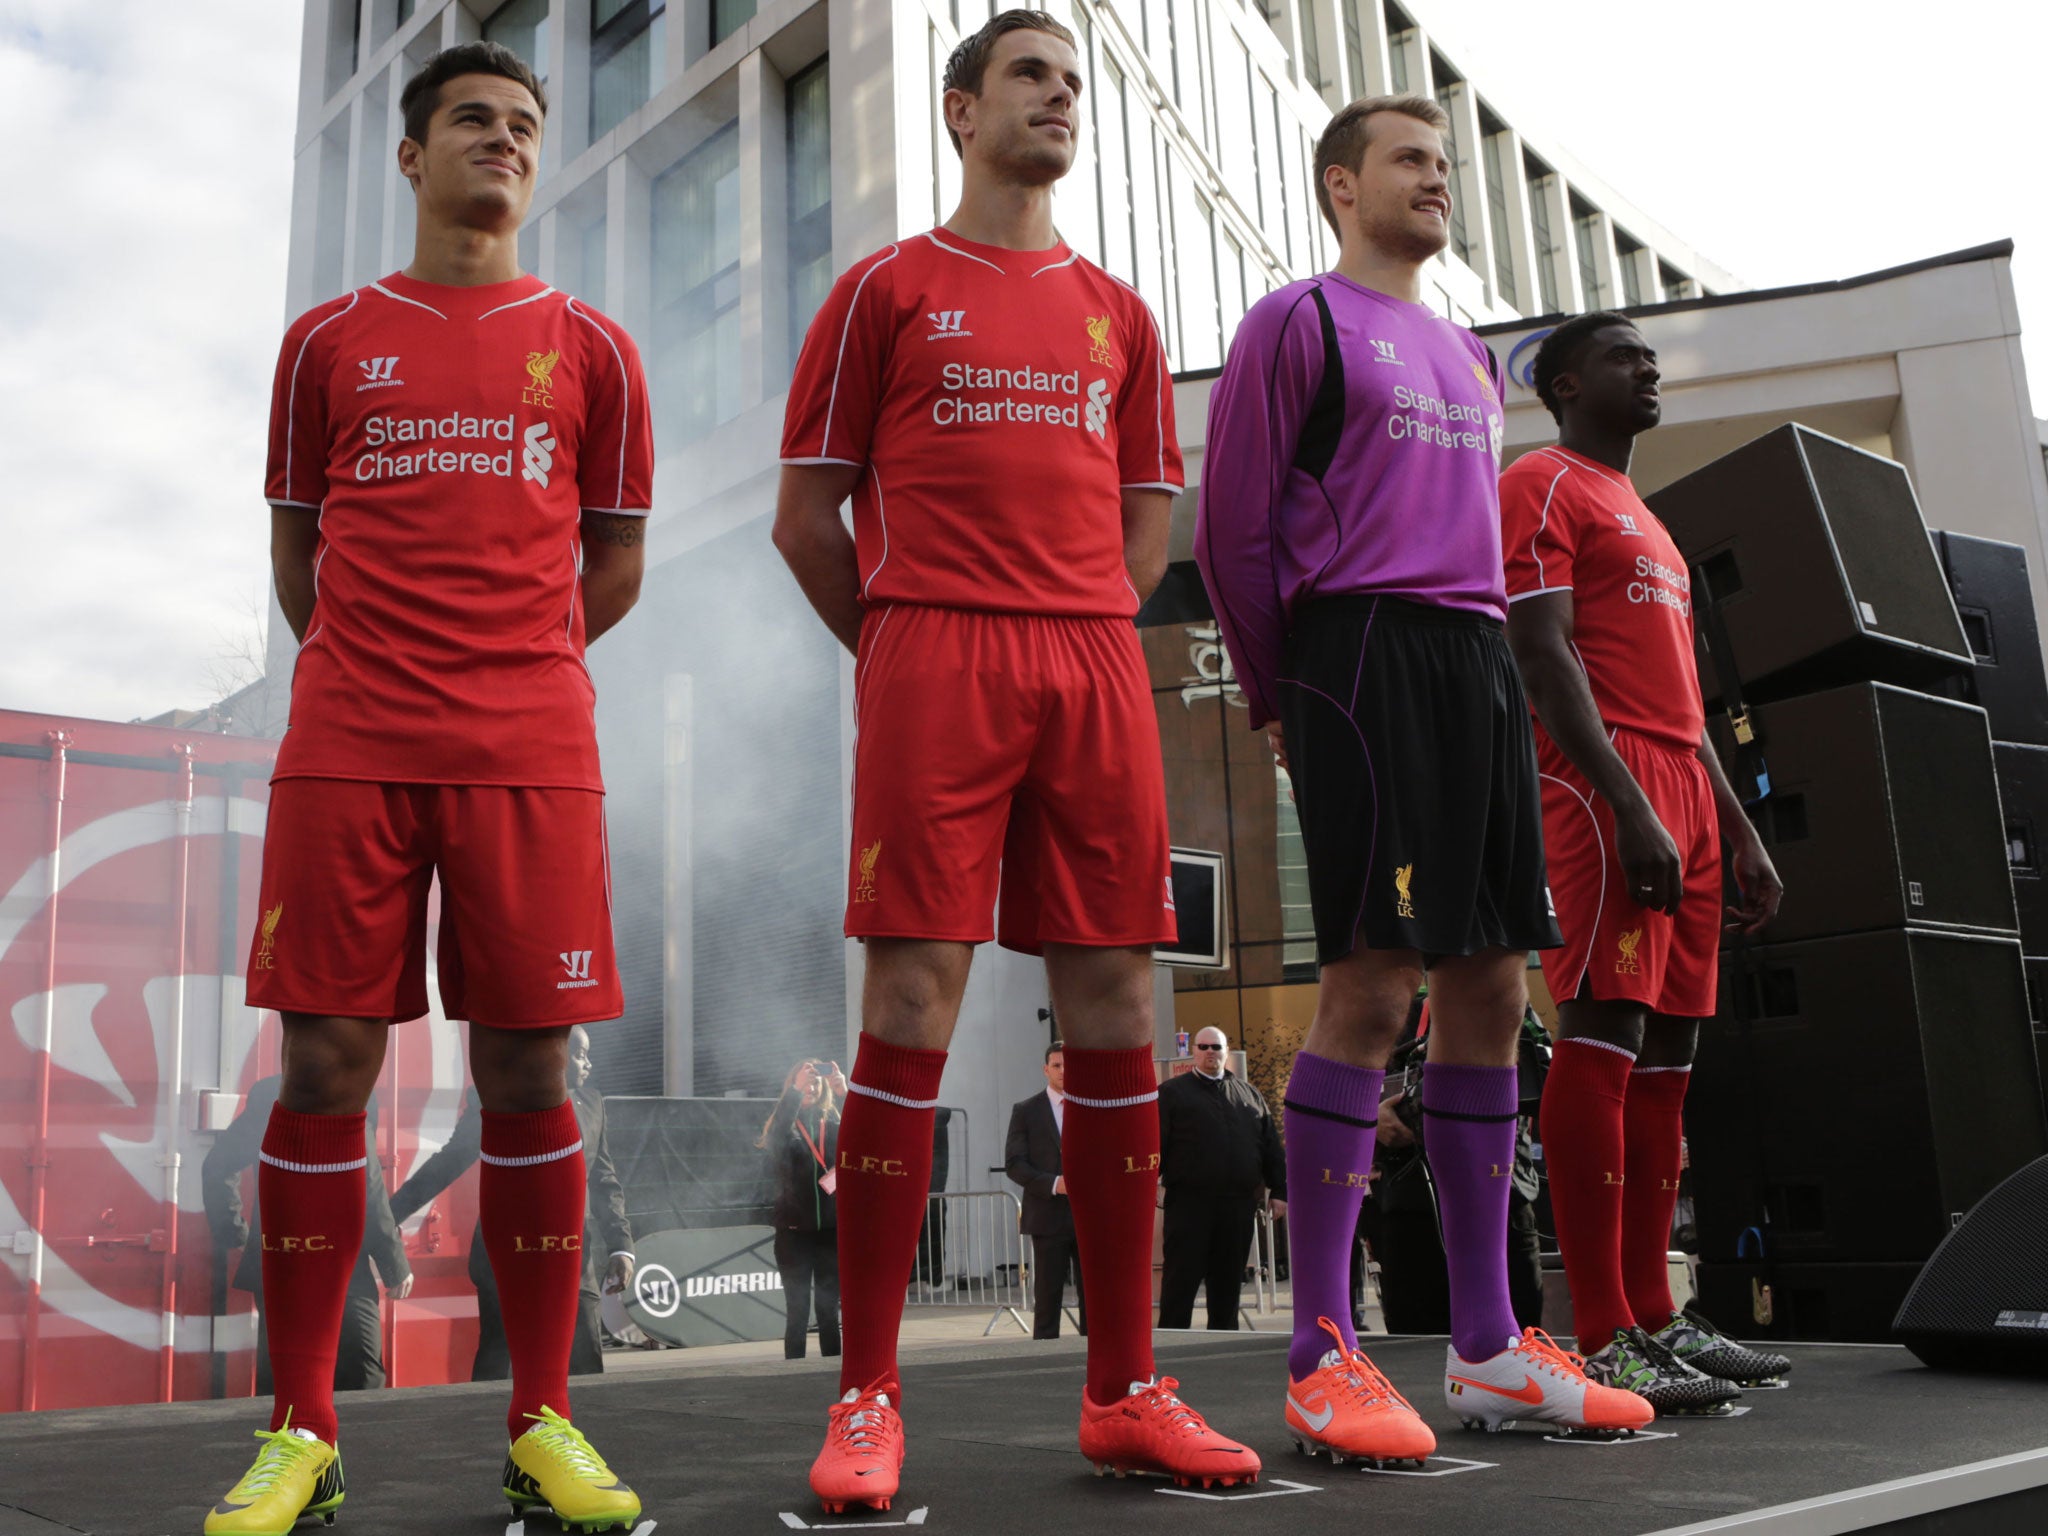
1263, 1259
970, 1253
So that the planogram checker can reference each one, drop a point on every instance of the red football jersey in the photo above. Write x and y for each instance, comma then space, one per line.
999, 401
1571, 525
450, 439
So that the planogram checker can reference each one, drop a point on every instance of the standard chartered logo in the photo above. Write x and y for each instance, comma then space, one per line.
540, 454
1098, 408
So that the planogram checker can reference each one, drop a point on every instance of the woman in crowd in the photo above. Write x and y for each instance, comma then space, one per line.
801, 1139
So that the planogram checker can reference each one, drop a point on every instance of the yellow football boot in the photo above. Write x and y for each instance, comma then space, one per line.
553, 1465
296, 1474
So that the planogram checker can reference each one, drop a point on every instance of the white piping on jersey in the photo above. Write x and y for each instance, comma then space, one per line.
882, 512
860, 672
621, 511
850, 463
1601, 905
625, 393
292, 394
832, 400
1159, 384
932, 236
303, 506
1535, 592
530, 298
1559, 454
604, 848
1152, 485
1542, 523
1072, 257
415, 303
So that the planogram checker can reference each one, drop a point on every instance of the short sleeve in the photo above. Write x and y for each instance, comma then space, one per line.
615, 463
1147, 445
830, 418
296, 474
1539, 531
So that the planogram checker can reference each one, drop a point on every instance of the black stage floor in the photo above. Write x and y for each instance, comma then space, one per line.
992, 1453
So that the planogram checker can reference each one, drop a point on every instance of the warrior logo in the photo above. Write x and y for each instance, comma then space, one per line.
1628, 944
540, 379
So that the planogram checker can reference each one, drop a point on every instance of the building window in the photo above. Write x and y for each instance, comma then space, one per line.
405, 9
728, 16
625, 58
1311, 48
1447, 98
590, 263
696, 281
1628, 257
1113, 142
808, 99
1539, 226
1297, 922
1586, 235
1497, 211
1354, 47
1194, 244
1676, 284
522, 26
1397, 61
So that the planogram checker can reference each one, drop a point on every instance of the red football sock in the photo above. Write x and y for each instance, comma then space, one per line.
1654, 1132
884, 1179
311, 1185
1109, 1151
531, 1196
1582, 1149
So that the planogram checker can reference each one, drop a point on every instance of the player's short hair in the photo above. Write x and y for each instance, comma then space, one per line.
421, 97
969, 62
1560, 351
1346, 135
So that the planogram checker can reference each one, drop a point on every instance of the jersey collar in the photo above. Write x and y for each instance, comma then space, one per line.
452, 303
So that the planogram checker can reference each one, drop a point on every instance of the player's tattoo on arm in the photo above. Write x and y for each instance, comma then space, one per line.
611, 528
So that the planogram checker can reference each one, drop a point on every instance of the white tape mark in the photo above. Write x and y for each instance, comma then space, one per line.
644, 1528
792, 1522
795, 1523
1281, 1489
1640, 1437
1435, 1466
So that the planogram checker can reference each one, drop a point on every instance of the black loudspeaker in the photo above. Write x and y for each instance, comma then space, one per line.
1842, 1303
1883, 812
1822, 565
1995, 602
1981, 1304
2037, 990
2023, 797
1881, 1085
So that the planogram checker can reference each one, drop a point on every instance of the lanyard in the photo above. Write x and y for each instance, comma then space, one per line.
817, 1147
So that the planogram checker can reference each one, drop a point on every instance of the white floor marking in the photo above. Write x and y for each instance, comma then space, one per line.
795, 1523
518, 1528
1435, 1466
1281, 1489
1640, 1437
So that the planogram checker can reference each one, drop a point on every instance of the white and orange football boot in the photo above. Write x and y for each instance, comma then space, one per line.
1535, 1379
1347, 1409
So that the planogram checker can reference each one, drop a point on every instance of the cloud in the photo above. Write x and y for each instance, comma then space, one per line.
147, 183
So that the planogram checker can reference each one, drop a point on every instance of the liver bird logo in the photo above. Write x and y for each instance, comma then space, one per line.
266, 952
865, 890
540, 377
1098, 339
270, 919
1628, 943
1403, 907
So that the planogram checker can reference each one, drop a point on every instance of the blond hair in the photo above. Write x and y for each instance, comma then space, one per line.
1346, 135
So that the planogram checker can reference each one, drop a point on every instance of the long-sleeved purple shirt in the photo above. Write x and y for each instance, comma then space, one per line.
1353, 448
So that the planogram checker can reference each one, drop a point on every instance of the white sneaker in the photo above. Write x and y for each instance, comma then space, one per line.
1532, 1378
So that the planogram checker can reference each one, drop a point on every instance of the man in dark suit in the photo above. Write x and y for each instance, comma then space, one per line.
607, 1236
360, 1362
1031, 1157
1218, 1145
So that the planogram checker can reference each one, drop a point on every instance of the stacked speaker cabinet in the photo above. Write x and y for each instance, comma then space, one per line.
1871, 1073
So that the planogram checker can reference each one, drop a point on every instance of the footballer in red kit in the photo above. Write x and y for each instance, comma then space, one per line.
460, 471
1636, 808
998, 409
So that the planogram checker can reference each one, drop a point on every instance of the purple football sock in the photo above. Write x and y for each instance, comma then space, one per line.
1331, 1111
1469, 1132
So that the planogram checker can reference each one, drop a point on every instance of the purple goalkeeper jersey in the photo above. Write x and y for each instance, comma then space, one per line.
1354, 447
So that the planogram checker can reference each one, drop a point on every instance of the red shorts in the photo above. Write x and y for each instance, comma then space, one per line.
1613, 949
526, 923
1006, 754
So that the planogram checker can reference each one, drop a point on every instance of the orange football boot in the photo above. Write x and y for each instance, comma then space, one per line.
862, 1461
1152, 1433
1348, 1409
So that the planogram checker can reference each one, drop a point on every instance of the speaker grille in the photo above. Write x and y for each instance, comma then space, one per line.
1989, 1278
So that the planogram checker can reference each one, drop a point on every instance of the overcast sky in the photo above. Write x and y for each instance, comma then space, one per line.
145, 178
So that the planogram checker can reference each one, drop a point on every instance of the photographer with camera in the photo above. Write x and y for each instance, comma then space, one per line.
801, 1138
